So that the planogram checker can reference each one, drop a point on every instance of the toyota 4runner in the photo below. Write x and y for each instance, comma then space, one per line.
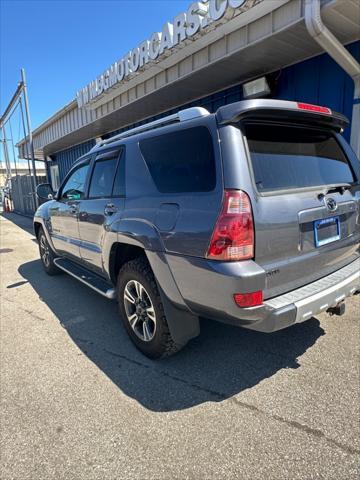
249, 216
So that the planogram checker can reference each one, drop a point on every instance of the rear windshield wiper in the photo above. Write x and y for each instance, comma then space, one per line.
335, 188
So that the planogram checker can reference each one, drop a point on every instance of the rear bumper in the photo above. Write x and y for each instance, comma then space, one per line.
207, 291
317, 297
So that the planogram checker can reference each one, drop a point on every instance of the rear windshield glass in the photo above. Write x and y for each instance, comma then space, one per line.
181, 161
290, 157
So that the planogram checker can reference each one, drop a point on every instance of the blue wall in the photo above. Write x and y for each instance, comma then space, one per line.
318, 80
66, 158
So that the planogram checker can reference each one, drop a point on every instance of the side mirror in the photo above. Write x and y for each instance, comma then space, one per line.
44, 191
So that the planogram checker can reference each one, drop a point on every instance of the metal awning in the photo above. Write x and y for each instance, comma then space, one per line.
271, 39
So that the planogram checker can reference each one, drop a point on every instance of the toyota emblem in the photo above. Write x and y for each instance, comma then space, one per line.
331, 204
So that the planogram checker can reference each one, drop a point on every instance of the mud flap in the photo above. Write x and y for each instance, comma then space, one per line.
183, 325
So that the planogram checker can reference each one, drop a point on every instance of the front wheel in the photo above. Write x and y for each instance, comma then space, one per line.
47, 256
142, 311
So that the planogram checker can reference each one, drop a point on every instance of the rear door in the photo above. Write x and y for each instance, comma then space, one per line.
104, 203
304, 203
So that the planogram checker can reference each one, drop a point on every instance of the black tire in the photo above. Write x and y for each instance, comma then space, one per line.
47, 255
154, 339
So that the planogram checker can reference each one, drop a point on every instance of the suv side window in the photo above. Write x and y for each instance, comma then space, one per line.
119, 183
181, 161
74, 187
102, 179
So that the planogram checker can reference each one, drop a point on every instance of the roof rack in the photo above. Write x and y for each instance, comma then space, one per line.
181, 116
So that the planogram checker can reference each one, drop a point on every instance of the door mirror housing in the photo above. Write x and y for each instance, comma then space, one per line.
45, 192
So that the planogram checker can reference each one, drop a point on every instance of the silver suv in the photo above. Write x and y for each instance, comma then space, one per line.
249, 216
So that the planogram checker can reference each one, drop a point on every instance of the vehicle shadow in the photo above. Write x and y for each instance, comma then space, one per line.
220, 363
21, 221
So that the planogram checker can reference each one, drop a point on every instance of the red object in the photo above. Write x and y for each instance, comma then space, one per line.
249, 299
314, 108
233, 235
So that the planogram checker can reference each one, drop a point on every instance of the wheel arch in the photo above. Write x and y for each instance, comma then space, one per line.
183, 324
121, 253
37, 227
41, 222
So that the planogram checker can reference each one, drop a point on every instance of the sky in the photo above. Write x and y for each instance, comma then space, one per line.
64, 44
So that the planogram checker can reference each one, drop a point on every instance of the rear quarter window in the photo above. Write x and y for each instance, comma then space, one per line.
289, 157
103, 178
181, 161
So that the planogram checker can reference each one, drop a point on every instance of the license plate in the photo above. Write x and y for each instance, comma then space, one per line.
326, 231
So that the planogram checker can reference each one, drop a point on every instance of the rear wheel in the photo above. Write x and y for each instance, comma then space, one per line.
47, 256
142, 311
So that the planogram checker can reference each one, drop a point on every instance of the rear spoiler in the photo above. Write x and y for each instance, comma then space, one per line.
280, 111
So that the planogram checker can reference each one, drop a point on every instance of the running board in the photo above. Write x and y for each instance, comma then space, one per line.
85, 276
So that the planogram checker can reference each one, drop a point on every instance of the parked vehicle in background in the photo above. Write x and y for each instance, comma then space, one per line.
249, 216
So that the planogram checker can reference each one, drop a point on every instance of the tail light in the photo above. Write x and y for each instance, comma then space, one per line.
313, 108
233, 236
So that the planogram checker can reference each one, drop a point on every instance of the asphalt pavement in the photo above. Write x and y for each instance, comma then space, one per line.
78, 401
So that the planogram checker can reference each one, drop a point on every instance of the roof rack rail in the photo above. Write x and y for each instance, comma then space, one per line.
181, 116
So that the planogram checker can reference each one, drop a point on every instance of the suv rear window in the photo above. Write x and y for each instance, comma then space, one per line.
181, 161
289, 157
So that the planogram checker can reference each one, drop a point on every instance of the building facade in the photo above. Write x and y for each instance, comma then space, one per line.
204, 57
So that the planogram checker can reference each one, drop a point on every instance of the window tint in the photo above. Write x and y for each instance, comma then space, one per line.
74, 187
290, 157
103, 178
181, 161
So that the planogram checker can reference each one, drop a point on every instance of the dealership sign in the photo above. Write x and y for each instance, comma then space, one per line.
185, 25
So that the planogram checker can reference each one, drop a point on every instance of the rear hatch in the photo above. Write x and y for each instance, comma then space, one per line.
305, 198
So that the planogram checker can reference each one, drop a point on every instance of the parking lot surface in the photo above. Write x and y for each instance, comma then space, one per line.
78, 401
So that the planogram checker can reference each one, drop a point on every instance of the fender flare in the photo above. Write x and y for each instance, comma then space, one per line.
44, 221
135, 231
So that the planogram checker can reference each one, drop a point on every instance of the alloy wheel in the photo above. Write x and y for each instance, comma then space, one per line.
139, 310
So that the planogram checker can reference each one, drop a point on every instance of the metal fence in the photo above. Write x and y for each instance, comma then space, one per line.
22, 194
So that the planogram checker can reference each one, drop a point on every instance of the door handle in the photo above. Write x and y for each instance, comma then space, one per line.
73, 209
110, 209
